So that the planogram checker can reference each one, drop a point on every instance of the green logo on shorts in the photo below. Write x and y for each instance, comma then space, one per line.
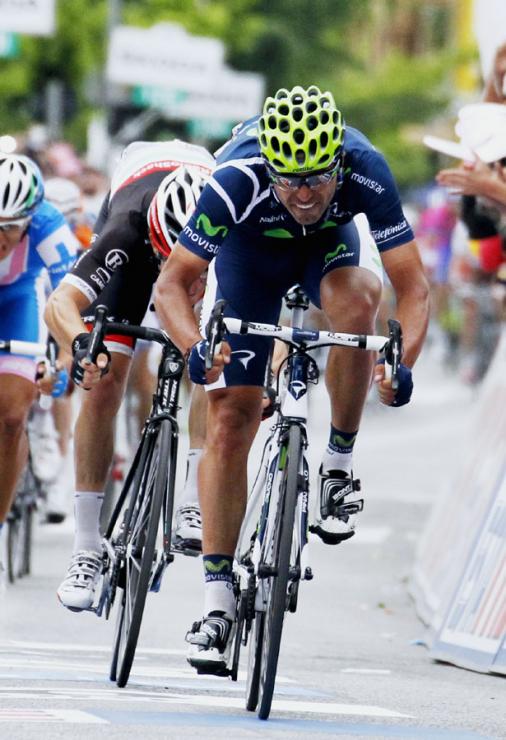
204, 223
337, 251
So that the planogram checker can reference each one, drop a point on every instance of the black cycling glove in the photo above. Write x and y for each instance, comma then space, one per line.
80, 346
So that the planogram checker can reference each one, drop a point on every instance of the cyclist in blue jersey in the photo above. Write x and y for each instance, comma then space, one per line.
296, 197
34, 238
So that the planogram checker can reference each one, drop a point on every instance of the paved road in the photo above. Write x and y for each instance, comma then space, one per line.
350, 665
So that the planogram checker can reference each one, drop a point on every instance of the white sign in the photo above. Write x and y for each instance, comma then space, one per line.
165, 56
30, 17
229, 96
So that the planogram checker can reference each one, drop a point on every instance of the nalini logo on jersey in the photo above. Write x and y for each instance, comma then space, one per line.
205, 224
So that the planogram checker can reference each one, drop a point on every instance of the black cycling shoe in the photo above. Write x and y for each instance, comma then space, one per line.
211, 643
338, 506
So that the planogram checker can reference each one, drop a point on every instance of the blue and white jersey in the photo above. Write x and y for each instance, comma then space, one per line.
48, 244
239, 198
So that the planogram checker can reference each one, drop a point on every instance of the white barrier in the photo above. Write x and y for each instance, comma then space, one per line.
459, 579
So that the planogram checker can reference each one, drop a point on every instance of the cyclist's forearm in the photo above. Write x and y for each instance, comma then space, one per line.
413, 314
63, 318
175, 312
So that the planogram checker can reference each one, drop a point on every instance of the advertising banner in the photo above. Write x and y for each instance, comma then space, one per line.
459, 578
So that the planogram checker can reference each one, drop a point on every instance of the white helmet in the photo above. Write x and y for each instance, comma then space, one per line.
21, 186
173, 204
64, 194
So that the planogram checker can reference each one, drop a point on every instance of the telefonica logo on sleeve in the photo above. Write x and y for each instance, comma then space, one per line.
381, 235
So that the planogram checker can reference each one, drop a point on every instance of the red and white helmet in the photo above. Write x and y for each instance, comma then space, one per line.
173, 204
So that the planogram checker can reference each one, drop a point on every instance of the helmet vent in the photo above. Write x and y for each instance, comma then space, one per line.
284, 125
298, 114
275, 144
271, 121
324, 117
287, 150
284, 110
300, 156
298, 136
297, 99
311, 106
312, 123
324, 139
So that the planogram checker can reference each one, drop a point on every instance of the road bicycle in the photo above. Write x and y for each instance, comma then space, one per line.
272, 559
137, 541
29, 494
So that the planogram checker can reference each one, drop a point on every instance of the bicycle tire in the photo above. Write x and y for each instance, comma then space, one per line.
153, 488
277, 589
254, 662
14, 537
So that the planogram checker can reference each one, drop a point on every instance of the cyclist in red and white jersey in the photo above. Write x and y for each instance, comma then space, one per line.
154, 190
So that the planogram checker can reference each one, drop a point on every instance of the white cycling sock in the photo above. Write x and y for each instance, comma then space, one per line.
333, 460
219, 597
87, 507
190, 492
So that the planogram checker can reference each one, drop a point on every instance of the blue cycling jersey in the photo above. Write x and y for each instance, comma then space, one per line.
239, 198
48, 243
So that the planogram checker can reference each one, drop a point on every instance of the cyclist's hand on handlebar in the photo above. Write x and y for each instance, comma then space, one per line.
386, 393
52, 384
85, 373
197, 358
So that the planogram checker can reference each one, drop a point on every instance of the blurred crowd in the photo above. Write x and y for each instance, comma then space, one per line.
461, 231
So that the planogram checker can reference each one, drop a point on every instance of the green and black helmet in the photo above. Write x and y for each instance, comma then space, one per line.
301, 130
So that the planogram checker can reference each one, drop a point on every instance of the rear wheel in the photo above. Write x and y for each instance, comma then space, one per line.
140, 548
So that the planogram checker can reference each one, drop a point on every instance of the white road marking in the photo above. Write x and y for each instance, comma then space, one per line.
294, 707
70, 647
372, 671
74, 716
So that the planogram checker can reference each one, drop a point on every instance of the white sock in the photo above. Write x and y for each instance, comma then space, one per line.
87, 507
219, 597
333, 460
190, 492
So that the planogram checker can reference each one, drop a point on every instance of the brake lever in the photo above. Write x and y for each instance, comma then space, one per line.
393, 352
215, 331
97, 334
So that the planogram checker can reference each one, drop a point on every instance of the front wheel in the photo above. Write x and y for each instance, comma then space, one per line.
142, 522
276, 558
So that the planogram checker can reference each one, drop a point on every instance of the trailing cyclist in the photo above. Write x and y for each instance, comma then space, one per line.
34, 238
285, 205
153, 191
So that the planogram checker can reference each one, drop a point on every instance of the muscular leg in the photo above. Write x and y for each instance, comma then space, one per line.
350, 298
94, 432
233, 419
16, 396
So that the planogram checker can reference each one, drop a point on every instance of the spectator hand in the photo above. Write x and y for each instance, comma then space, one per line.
388, 396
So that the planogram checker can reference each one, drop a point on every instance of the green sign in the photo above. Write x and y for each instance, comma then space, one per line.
209, 128
9, 45
157, 97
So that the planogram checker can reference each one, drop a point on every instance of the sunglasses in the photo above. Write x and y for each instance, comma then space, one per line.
294, 182
18, 223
